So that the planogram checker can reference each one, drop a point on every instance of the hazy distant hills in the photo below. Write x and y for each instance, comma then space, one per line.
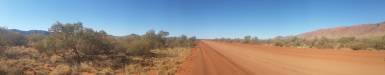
358, 31
29, 32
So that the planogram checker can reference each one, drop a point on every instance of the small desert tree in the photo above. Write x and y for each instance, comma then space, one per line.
247, 39
77, 42
141, 45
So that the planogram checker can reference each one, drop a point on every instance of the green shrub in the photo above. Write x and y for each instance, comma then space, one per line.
359, 46
8, 38
279, 44
143, 44
81, 42
379, 44
346, 41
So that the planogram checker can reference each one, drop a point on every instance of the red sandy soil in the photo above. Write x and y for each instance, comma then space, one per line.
219, 58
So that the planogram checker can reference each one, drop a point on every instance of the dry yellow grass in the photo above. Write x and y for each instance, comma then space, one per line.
171, 61
166, 62
20, 60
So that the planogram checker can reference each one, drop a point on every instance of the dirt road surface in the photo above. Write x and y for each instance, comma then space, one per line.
219, 58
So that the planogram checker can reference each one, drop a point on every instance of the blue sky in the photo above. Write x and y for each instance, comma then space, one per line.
201, 18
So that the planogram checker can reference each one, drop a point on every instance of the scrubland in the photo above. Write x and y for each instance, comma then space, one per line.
347, 43
71, 49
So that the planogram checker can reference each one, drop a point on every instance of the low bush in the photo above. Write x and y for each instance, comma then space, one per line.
61, 69
19, 52
8, 38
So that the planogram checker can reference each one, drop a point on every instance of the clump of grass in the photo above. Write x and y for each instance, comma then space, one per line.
62, 69
84, 67
166, 62
19, 52
171, 60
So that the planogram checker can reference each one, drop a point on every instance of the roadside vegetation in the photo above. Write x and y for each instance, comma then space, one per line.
373, 43
71, 49
246, 39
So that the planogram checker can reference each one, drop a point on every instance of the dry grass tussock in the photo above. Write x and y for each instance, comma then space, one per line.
166, 62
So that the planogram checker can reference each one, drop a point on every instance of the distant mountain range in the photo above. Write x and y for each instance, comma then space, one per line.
29, 32
358, 31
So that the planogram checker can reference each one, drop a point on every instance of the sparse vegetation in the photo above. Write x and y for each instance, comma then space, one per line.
375, 43
8, 38
246, 39
71, 49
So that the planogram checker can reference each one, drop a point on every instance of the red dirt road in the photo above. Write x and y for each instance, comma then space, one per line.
218, 58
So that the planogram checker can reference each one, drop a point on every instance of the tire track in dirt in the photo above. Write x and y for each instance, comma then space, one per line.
233, 66
210, 62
